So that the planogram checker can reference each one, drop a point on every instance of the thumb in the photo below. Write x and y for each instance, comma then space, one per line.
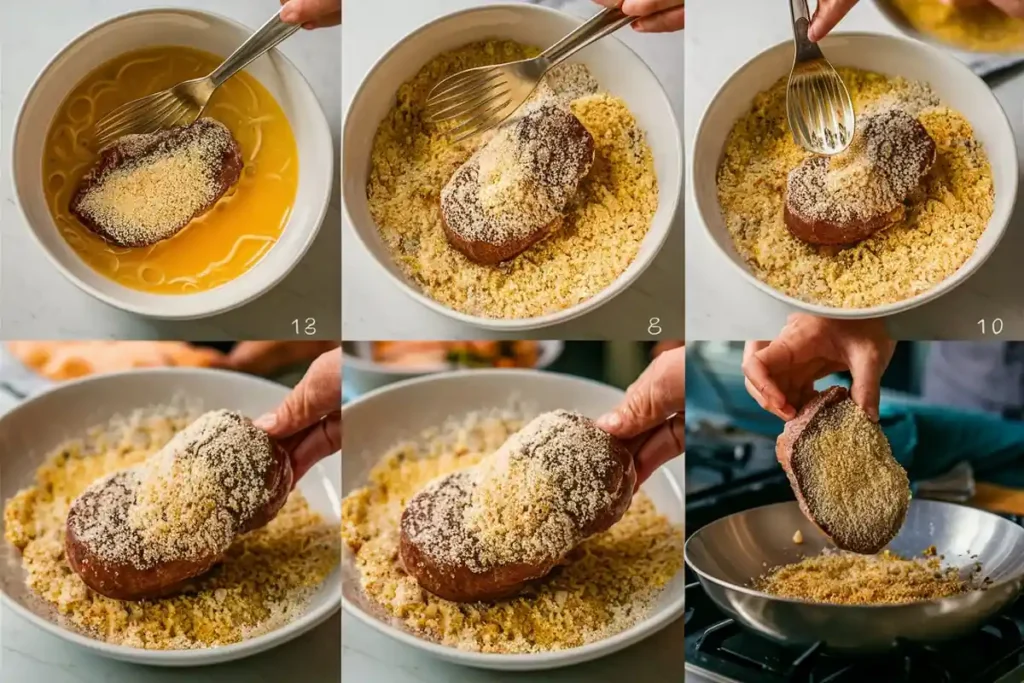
866, 366
309, 11
657, 394
317, 394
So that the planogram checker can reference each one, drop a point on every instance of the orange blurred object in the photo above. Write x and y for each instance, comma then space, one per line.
470, 354
64, 360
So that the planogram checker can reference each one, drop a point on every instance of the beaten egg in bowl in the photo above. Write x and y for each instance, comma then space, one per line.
215, 247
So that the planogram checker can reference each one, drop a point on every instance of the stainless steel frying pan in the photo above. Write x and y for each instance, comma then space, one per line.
730, 552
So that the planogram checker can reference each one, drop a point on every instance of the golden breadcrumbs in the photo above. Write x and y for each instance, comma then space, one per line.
609, 583
984, 28
935, 238
599, 237
848, 579
265, 581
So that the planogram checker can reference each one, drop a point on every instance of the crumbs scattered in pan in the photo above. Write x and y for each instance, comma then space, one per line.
844, 578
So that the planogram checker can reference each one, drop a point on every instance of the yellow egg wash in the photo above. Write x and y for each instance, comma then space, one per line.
219, 245
983, 28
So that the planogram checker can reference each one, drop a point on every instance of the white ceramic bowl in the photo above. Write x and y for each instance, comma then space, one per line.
362, 374
372, 428
951, 80
29, 432
617, 68
212, 33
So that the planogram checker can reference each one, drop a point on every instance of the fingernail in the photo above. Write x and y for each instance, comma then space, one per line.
611, 421
812, 33
639, 25
309, 26
266, 422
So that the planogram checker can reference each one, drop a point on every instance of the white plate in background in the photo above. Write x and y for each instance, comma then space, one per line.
361, 374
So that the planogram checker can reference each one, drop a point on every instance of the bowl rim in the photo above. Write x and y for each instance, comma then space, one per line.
617, 286
961, 275
197, 657
704, 575
534, 661
152, 310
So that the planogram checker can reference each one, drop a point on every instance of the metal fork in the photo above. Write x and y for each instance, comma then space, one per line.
487, 95
818, 104
185, 102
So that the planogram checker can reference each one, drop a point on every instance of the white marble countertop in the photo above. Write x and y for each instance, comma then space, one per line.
31, 33
30, 655
377, 309
721, 305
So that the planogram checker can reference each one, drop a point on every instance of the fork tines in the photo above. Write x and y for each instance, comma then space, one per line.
144, 115
817, 111
474, 96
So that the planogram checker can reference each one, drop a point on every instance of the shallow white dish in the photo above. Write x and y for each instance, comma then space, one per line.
378, 420
617, 68
29, 432
362, 374
204, 31
952, 81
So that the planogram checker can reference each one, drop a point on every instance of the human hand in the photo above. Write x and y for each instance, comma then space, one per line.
311, 13
308, 423
650, 419
1014, 8
656, 16
827, 14
780, 375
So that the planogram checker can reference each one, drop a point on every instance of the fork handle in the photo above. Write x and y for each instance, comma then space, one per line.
597, 27
269, 36
805, 49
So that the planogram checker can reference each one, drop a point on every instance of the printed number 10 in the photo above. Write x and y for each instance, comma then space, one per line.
995, 328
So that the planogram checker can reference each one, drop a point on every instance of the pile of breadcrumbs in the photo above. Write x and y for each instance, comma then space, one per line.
412, 160
849, 579
609, 584
937, 236
265, 581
